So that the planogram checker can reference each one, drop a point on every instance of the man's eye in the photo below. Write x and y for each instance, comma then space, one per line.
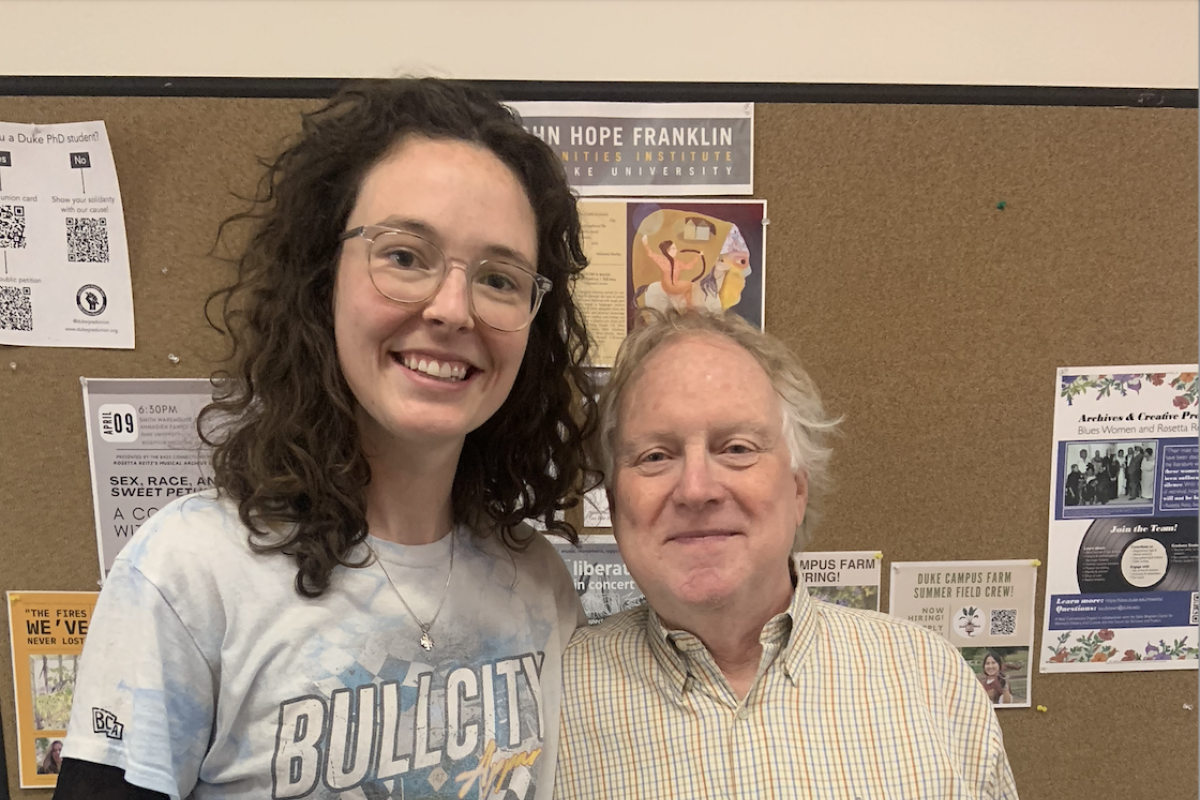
654, 458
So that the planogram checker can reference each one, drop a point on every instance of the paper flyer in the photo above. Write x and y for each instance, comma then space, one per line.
47, 631
845, 578
63, 253
144, 451
1121, 580
595, 509
984, 608
600, 576
663, 254
640, 149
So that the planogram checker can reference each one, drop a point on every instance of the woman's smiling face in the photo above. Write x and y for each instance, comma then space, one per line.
430, 372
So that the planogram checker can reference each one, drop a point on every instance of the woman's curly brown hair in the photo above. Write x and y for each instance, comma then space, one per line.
282, 425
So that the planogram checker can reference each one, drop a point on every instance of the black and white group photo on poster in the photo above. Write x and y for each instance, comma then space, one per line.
1110, 473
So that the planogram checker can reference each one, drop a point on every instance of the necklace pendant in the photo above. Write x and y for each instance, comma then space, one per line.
426, 640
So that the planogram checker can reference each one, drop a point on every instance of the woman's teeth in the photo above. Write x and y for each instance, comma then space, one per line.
445, 371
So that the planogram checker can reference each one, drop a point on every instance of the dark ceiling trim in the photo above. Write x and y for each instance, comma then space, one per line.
623, 91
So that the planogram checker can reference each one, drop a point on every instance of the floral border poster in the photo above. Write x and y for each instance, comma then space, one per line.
47, 631
983, 608
1121, 582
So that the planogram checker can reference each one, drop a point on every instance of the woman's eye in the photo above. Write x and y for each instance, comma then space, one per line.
405, 259
497, 281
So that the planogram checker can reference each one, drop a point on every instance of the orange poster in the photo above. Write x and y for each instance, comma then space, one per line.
47, 630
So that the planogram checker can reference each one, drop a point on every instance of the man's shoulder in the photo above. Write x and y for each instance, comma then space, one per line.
623, 631
868, 629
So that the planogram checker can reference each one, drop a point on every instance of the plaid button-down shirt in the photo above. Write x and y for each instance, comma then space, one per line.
846, 704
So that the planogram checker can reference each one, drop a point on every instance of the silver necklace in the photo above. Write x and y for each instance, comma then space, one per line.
426, 639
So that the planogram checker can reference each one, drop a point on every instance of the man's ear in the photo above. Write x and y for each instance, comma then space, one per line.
608, 493
801, 494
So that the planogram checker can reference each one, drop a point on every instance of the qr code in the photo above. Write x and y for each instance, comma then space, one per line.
1004, 621
87, 240
12, 227
1194, 616
16, 308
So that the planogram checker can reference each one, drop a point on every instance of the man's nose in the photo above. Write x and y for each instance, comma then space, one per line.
699, 481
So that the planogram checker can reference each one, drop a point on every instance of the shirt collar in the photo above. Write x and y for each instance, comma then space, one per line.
794, 631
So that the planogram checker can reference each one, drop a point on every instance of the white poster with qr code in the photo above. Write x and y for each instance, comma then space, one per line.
64, 259
984, 608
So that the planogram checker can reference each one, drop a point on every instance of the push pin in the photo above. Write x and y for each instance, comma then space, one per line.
1001, 205
174, 359
1188, 706
766, 221
12, 365
1036, 562
164, 270
1042, 709
878, 556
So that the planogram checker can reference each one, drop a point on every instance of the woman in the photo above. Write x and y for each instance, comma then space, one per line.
994, 681
52, 763
359, 606
1147, 475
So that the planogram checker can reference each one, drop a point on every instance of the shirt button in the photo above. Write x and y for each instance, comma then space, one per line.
743, 713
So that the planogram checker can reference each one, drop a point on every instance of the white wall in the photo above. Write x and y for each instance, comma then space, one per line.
1117, 43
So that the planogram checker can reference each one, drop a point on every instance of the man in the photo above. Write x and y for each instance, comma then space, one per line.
1135, 473
733, 682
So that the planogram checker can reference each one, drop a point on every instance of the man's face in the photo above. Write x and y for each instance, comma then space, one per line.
706, 503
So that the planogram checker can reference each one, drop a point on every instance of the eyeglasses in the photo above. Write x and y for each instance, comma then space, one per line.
408, 269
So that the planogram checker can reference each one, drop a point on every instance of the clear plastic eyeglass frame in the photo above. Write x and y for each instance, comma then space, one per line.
540, 284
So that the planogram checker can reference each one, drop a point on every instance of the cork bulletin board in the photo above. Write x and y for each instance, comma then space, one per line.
932, 320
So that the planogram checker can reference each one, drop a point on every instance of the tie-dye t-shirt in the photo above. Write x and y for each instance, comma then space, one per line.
205, 674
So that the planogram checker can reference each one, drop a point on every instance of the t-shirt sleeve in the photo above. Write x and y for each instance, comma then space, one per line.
570, 607
145, 694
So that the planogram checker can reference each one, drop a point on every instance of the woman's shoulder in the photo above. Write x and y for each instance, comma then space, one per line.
527, 552
188, 533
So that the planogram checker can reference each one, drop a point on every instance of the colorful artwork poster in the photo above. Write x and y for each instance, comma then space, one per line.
1121, 581
64, 258
600, 576
984, 608
655, 149
47, 631
847, 578
663, 254
144, 451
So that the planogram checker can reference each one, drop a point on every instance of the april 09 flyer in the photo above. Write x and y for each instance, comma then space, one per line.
47, 631
1121, 583
984, 608
144, 451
